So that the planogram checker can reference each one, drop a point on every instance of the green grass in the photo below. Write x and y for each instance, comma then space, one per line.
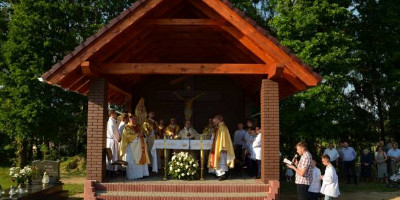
73, 189
5, 180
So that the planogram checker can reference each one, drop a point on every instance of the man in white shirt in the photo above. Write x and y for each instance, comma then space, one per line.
112, 139
238, 137
394, 154
333, 154
257, 152
188, 132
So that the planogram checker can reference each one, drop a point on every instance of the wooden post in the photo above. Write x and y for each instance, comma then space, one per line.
270, 131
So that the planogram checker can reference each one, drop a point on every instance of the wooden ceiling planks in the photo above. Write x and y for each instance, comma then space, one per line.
189, 37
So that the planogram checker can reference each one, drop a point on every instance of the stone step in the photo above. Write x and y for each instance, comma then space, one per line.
113, 195
183, 188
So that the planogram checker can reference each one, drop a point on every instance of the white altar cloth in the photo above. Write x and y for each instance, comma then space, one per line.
177, 144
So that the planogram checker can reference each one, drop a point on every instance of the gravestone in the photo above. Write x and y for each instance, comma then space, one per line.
51, 167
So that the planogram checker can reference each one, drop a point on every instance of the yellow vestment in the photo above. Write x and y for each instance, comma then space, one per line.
172, 131
221, 142
139, 150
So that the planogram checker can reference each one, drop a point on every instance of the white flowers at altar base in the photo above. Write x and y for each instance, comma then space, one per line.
183, 166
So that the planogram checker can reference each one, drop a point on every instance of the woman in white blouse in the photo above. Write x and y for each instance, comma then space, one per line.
330, 182
315, 186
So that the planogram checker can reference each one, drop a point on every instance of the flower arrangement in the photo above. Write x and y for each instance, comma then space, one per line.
21, 175
183, 166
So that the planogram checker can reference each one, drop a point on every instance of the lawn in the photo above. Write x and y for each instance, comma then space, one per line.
5, 180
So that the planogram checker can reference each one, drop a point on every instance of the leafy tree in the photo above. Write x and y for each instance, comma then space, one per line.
40, 33
377, 78
319, 33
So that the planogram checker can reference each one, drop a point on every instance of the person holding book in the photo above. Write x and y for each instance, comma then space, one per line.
303, 171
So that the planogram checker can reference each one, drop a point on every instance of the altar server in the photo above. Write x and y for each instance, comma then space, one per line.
112, 139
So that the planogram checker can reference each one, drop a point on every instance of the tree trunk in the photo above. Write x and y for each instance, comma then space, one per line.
22, 146
380, 115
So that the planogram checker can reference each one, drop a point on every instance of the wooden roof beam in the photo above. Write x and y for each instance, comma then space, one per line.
186, 22
55, 74
181, 68
262, 42
89, 69
275, 72
119, 90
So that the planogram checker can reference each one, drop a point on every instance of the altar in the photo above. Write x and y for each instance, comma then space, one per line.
199, 145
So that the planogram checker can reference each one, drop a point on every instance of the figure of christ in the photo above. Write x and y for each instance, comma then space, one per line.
188, 111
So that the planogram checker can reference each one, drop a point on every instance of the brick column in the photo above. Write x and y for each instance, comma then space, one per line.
96, 129
270, 130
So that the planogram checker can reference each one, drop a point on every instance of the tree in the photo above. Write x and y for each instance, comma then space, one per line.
40, 33
377, 78
319, 33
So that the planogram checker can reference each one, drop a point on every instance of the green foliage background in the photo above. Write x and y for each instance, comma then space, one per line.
353, 44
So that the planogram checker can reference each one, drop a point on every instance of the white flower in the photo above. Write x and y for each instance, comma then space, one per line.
178, 170
187, 166
191, 162
193, 173
183, 174
177, 163
195, 165
173, 157
170, 168
181, 164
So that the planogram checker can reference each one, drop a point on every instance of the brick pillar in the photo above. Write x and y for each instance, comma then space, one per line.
270, 130
96, 129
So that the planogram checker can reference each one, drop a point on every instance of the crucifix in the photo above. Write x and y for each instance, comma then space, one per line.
188, 95
188, 110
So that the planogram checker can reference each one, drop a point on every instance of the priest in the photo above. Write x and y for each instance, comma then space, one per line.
222, 155
208, 130
150, 127
172, 129
188, 132
134, 150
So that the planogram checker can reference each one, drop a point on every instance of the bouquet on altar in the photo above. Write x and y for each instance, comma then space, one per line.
183, 166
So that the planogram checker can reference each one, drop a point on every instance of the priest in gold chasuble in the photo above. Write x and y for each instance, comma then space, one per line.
172, 130
134, 150
222, 155
150, 127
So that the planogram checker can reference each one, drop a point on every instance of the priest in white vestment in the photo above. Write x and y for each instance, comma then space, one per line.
112, 139
134, 150
188, 132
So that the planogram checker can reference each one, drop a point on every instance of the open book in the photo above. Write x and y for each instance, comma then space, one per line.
287, 161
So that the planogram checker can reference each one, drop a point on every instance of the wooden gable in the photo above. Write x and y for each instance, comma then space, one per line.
188, 37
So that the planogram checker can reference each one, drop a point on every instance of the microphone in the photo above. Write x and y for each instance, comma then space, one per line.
294, 157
